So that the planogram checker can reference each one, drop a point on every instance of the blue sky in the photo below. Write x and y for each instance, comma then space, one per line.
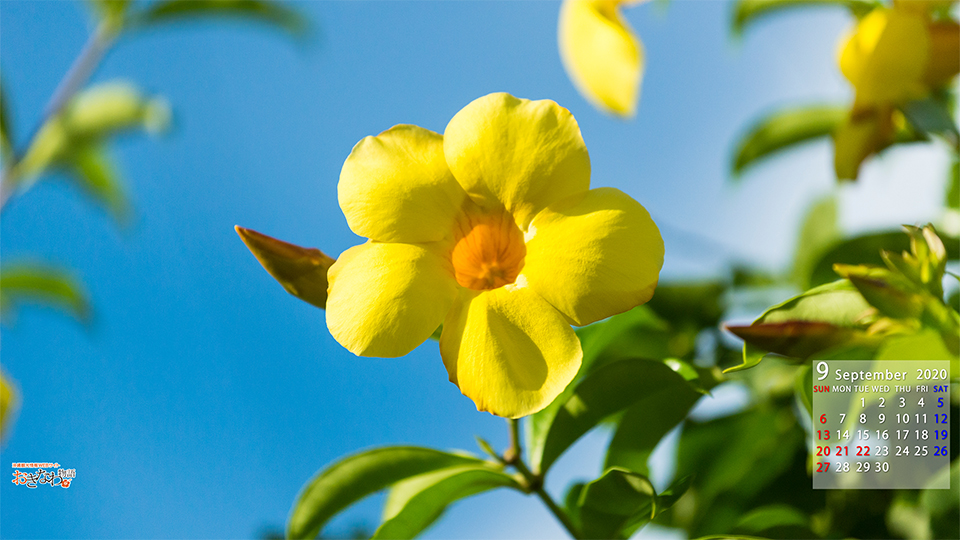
202, 397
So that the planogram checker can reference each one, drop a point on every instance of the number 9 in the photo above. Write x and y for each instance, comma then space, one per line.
822, 370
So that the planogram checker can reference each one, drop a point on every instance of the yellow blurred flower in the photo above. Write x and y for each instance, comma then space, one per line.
601, 54
490, 229
892, 56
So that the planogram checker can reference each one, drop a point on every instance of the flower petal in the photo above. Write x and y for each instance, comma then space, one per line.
601, 54
508, 350
396, 187
516, 154
594, 256
886, 56
385, 299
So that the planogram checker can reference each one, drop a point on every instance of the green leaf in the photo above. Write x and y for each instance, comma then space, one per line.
111, 11
772, 516
353, 478
647, 421
271, 13
819, 231
924, 345
929, 115
6, 136
863, 249
942, 504
752, 354
891, 293
96, 174
109, 108
301, 271
819, 319
953, 187
636, 333
9, 401
26, 282
608, 390
698, 304
571, 502
414, 504
804, 388
615, 499
783, 129
747, 12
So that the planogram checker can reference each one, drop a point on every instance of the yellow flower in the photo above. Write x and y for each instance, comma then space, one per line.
601, 54
490, 229
891, 57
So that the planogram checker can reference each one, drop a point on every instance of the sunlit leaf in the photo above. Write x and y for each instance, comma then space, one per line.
353, 478
36, 283
863, 249
610, 502
925, 345
414, 504
819, 319
271, 13
929, 115
647, 421
96, 174
820, 229
784, 129
301, 271
891, 293
608, 390
746, 12
106, 109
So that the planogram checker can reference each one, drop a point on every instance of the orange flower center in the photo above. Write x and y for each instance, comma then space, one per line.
489, 252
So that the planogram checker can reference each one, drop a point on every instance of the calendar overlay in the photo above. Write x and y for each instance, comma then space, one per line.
881, 424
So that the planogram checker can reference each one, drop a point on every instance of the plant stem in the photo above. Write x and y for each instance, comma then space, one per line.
83, 67
514, 456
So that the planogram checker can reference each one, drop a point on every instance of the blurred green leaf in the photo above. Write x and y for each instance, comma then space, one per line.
943, 505
924, 345
804, 387
953, 187
6, 135
414, 504
774, 516
864, 249
301, 271
891, 293
647, 421
636, 333
111, 11
610, 502
785, 128
25, 282
752, 354
608, 390
89, 119
697, 303
736, 457
96, 174
747, 12
929, 115
730, 537
108, 108
819, 319
9, 401
820, 229
353, 478
271, 13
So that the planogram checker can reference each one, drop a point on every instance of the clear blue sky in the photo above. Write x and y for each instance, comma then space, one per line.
203, 396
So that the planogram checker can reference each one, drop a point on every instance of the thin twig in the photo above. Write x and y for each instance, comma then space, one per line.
79, 73
514, 456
